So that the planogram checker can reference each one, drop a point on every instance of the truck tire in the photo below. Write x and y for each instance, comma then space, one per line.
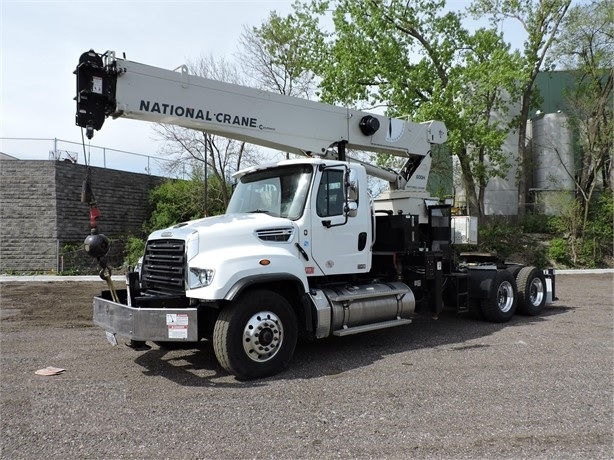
256, 335
514, 269
531, 284
501, 303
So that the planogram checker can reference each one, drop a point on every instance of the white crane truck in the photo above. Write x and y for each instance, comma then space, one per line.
303, 251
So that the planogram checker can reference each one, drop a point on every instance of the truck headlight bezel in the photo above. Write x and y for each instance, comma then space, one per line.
200, 277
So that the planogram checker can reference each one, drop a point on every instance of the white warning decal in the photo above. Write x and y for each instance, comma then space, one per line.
177, 325
176, 319
177, 332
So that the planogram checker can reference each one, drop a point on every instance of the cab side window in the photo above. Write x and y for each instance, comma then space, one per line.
330, 199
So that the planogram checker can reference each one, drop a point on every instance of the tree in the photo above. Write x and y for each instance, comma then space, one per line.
213, 155
175, 201
417, 60
541, 20
586, 49
271, 56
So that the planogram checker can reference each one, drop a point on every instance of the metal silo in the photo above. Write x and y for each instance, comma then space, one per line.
552, 155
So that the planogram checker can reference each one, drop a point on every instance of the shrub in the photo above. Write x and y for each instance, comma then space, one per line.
501, 236
534, 223
597, 243
134, 249
538, 257
559, 251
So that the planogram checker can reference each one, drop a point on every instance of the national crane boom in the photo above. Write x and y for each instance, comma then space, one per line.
110, 86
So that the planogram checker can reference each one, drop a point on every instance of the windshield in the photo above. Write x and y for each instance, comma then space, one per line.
279, 192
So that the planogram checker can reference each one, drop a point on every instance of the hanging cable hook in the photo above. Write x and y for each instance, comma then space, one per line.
96, 244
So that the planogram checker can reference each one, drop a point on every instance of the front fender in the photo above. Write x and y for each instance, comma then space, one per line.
236, 269
244, 283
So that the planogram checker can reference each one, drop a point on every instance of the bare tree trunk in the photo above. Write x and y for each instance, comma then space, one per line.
473, 204
523, 168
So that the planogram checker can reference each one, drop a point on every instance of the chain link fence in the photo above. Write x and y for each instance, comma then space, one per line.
102, 157
73, 260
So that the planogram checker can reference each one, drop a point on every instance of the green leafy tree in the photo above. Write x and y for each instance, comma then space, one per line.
594, 247
416, 59
134, 248
540, 20
599, 232
586, 49
176, 201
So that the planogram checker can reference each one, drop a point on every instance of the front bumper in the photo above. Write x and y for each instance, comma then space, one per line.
145, 323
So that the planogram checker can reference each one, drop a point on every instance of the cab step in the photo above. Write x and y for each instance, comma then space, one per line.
371, 327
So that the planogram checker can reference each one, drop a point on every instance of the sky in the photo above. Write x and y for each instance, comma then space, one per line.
40, 45
41, 42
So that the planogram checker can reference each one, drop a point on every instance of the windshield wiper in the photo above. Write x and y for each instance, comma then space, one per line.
264, 211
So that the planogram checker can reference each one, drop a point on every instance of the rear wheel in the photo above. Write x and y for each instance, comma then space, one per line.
500, 305
531, 284
514, 269
255, 336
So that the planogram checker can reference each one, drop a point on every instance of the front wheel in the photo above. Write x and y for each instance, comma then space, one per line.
255, 336
501, 303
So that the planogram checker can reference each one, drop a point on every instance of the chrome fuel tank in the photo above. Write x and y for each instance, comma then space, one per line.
367, 304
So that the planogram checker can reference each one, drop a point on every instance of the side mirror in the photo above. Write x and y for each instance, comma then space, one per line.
352, 191
351, 185
351, 209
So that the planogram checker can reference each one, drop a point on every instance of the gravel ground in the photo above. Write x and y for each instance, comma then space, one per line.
447, 388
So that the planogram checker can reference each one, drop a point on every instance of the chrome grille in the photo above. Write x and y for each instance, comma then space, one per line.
164, 266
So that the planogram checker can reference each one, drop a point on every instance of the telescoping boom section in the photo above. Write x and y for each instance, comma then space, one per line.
303, 250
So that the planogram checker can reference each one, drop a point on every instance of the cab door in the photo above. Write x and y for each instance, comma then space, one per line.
340, 240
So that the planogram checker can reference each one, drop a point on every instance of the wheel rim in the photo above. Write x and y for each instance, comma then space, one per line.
536, 292
262, 336
505, 296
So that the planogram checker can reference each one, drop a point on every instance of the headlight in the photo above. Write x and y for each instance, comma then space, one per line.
200, 277
139, 266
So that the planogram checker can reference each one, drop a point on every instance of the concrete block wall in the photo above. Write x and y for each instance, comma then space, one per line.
28, 224
41, 211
